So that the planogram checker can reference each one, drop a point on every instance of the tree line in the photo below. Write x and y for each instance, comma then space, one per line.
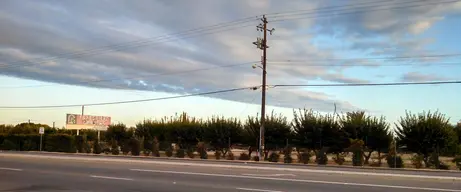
427, 135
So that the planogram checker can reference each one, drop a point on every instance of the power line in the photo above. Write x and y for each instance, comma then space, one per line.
359, 11
237, 89
377, 58
273, 63
361, 64
145, 42
367, 84
130, 101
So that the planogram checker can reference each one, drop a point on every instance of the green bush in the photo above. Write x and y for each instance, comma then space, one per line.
287, 155
321, 158
155, 148
230, 156
339, 159
60, 143
394, 161
79, 143
190, 153
114, 148
357, 158
217, 155
97, 147
417, 161
256, 158
8, 145
274, 157
201, 149
135, 147
244, 157
87, 147
180, 153
20, 142
169, 152
126, 147
457, 161
304, 157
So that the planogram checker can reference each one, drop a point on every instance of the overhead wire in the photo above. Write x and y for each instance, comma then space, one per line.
336, 13
145, 42
234, 90
288, 62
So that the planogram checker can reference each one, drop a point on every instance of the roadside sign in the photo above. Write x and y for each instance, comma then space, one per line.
41, 131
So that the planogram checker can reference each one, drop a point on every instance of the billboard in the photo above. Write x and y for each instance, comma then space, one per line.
75, 121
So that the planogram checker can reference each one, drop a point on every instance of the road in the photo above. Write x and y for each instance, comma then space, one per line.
36, 172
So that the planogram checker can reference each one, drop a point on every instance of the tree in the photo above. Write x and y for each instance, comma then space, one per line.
118, 132
315, 131
373, 131
378, 138
186, 131
424, 133
221, 133
277, 131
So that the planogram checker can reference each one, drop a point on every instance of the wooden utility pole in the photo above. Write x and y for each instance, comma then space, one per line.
262, 44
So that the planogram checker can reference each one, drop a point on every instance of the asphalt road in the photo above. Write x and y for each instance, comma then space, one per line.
42, 173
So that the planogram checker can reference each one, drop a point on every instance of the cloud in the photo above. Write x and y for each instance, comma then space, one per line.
419, 77
51, 29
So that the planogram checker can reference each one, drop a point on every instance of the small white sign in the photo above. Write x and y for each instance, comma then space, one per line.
41, 130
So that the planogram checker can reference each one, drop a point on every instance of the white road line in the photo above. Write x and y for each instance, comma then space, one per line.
261, 190
299, 180
269, 175
306, 170
10, 169
115, 178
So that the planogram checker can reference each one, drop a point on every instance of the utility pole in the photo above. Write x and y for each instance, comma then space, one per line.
54, 125
262, 44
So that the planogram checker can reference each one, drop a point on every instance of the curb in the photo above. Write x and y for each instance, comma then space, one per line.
240, 162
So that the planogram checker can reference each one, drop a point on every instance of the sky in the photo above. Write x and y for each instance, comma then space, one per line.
83, 52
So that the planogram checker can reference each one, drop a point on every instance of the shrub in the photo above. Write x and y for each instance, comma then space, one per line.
244, 157
457, 161
217, 155
201, 149
169, 152
87, 147
443, 166
230, 156
180, 153
126, 147
287, 155
135, 147
256, 158
190, 153
321, 158
60, 143
106, 150
79, 142
8, 145
357, 158
304, 157
339, 159
155, 148
394, 161
114, 148
97, 147
417, 161
274, 157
